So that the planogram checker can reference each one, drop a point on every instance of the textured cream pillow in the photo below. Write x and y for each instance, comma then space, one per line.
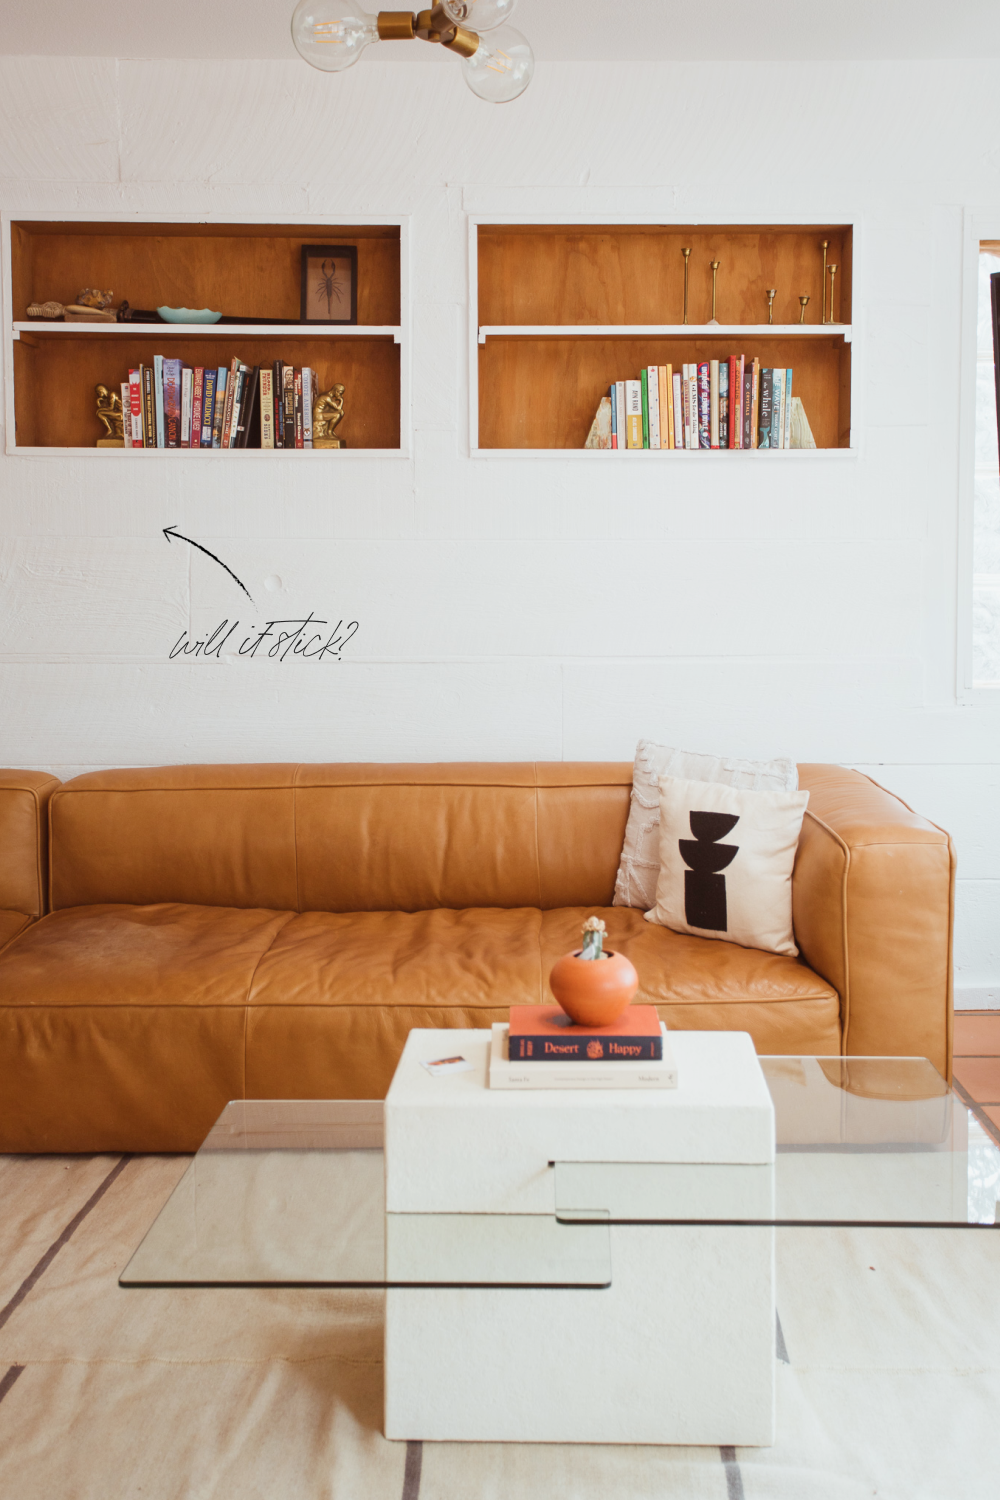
640, 861
726, 860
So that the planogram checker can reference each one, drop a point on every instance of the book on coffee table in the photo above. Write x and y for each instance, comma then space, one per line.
545, 1033
508, 1073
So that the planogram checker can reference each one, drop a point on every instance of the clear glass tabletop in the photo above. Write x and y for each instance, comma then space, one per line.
291, 1192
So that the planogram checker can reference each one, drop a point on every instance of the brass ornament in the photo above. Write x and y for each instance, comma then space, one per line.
770, 292
715, 271
822, 316
687, 255
328, 413
833, 271
803, 303
111, 417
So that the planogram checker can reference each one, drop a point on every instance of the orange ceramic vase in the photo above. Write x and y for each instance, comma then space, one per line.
593, 992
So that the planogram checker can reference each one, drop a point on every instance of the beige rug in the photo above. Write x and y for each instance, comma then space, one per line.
888, 1374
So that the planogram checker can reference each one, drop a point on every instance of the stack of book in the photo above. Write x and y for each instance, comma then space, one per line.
720, 403
170, 405
542, 1049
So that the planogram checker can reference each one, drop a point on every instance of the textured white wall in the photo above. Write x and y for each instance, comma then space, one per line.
515, 608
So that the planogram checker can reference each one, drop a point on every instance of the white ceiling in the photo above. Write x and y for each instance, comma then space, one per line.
559, 30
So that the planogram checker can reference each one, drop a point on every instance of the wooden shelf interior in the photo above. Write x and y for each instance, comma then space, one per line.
542, 391
635, 273
566, 378
55, 375
244, 270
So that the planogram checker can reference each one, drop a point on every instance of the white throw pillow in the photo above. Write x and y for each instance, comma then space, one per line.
726, 859
640, 861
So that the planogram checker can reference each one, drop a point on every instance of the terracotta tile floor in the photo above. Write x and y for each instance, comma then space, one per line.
977, 1061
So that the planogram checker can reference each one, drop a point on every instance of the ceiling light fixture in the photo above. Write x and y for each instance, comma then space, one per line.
332, 34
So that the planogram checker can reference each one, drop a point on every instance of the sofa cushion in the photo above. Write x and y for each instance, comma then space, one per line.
335, 997
122, 1028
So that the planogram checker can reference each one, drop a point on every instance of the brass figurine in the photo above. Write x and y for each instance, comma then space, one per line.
328, 412
715, 271
833, 271
686, 254
822, 316
770, 292
111, 417
802, 303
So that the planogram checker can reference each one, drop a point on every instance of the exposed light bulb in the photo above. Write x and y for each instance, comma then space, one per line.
501, 66
479, 15
332, 34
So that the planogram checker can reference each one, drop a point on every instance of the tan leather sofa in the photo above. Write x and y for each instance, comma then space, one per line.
219, 932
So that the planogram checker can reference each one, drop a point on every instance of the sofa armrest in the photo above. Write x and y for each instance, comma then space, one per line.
24, 798
873, 898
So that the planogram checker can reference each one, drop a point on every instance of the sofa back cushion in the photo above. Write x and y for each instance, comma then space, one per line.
342, 837
24, 796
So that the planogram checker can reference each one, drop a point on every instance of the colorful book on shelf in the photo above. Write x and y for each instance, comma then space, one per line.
704, 407
187, 406
786, 437
747, 405
755, 397
135, 407
266, 399
221, 397
544, 1033
633, 413
764, 412
713, 403
288, 406
653, 396
736, 401
208, 408
693, 420
620, 411
777, 408
248, 412
158, 398
172, 402
148, 407
126, 400
724, 403
232, 385
644, 387
678, 408
297, 388
197, 405
666, 395
308, 402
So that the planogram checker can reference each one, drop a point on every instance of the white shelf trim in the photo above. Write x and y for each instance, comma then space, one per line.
215, 330
664, 330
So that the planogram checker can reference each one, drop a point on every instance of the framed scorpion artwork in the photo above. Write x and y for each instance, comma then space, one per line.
329, 284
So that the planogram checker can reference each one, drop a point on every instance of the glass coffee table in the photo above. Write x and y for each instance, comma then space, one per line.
292, 1194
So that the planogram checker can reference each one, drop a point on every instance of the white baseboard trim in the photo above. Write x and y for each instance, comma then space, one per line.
968, 998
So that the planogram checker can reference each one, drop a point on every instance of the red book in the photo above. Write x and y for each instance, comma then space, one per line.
546, 1033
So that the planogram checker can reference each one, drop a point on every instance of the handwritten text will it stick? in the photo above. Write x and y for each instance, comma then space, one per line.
285, 637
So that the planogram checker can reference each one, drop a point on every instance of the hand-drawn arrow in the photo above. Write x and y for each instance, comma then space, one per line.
171, 531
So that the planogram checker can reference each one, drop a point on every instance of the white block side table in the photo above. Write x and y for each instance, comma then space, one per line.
678, 1349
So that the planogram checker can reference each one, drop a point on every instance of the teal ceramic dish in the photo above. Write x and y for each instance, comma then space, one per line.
188, 315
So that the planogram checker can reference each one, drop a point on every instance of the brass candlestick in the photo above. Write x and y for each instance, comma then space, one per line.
770, 292
803, 301
715, 271
822, 316
833, 271
686, 253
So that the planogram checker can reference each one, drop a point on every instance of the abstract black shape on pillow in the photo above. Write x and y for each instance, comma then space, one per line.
704, 886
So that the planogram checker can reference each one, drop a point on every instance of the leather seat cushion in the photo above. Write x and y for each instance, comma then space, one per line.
122, 1027
334, 998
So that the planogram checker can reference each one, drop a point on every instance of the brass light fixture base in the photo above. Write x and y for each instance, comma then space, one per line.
396, 25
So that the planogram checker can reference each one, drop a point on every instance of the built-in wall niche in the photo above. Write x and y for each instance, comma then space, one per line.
245, 270
562, 311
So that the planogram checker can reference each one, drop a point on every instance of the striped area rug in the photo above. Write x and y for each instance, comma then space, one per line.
887, 1350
